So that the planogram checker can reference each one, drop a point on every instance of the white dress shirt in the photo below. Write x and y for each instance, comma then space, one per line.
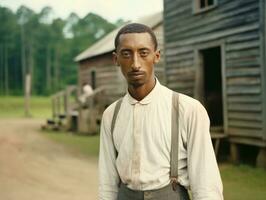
142, 137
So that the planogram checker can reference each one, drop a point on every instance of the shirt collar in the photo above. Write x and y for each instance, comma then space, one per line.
146, 100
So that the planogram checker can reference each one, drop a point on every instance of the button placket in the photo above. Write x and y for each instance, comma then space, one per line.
136, 148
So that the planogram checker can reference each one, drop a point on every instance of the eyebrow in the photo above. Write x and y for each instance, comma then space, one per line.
141, 49
144, 48
125, 50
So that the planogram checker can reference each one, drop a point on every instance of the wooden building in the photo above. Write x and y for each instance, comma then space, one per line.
215, 51
96, 66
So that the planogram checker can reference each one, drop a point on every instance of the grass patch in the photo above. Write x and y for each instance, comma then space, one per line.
243, 182
86, 145
13, 107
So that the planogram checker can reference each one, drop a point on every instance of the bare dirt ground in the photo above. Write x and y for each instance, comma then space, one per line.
33, 167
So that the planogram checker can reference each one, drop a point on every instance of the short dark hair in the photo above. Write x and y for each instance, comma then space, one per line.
136, 28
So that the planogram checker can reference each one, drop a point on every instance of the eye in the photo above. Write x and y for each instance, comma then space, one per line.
144, 53
125, 54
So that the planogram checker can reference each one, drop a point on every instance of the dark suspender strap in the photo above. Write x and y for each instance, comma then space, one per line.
117, 108
174, 140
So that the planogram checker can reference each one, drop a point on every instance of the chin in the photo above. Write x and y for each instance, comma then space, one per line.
136, 84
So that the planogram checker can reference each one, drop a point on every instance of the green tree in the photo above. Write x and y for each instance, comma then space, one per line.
8, 34
44, 46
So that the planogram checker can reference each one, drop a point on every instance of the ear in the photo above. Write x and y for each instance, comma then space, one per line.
114, 54
157, 56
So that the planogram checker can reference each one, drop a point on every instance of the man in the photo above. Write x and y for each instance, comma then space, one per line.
86, 92
134, 161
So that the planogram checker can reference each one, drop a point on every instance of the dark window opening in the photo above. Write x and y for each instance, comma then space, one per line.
93, 79
212, 85
202, 4
210, 2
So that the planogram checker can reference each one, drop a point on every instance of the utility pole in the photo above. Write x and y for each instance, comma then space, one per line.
48, 69
31, 65
23, 56
27, 95
1, 69
56, 72
6, 69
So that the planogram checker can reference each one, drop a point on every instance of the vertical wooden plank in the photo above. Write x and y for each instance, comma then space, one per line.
27, 95
199, 76
65, 97
57, 105
53, 108
234, 153
261, 159
224, 89
263, 62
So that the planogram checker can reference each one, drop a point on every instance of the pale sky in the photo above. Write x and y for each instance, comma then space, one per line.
109, 9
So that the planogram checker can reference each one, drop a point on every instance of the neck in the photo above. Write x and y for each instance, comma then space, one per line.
142, 91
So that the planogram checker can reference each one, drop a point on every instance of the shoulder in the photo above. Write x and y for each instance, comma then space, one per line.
188, 102
185, 101
190, 106
165, 92
109, 111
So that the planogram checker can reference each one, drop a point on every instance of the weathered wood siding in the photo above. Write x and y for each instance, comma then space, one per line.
107, 74
236, 25
263, 60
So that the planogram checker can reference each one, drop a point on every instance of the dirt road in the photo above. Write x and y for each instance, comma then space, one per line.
33, 167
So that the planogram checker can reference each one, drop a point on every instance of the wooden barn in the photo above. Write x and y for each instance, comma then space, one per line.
215, 51
96, 68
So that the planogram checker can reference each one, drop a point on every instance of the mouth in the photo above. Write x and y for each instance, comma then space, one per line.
136, 74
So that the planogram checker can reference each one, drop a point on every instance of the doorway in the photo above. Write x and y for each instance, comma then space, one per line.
211, 84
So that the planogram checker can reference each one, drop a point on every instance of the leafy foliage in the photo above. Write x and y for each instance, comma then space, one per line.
44, 46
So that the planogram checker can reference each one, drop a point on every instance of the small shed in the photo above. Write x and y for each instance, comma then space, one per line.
96, 66
215, 52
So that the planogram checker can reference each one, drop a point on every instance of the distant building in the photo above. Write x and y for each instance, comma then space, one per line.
215, 51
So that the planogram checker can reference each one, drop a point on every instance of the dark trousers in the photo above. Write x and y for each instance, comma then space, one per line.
165, 193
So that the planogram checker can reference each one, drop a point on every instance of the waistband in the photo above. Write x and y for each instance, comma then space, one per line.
153, 193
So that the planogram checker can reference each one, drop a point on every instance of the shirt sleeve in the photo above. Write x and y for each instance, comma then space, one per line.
108, 176
203, 172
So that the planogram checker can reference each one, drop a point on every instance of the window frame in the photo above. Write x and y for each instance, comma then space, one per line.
197, 9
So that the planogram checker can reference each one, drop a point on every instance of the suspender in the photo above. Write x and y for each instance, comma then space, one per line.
117, 108
174, 136
174, 140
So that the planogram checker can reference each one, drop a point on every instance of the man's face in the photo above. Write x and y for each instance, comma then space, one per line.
136, 55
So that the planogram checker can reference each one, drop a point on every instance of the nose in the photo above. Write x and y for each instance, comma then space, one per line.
135, 64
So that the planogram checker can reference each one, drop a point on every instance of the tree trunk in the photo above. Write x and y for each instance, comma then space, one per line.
1, 69
6, 69
31, 66
23, 57
48, 69
56, 76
